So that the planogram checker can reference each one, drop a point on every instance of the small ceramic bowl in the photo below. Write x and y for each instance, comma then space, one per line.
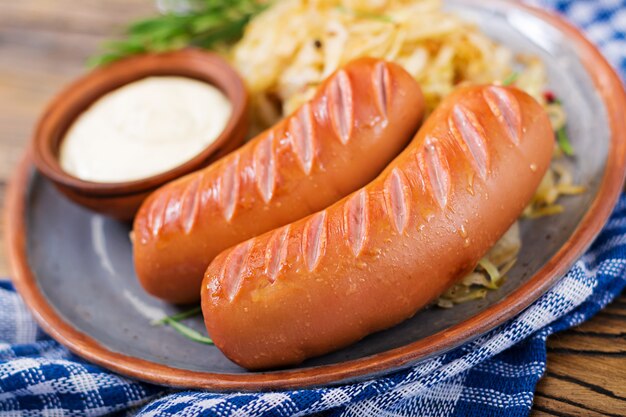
121, 200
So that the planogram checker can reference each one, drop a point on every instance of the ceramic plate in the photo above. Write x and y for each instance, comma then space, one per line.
74, 267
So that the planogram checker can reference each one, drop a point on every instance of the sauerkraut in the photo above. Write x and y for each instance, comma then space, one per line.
289, 49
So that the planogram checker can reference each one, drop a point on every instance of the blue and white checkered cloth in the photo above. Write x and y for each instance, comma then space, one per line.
492, 376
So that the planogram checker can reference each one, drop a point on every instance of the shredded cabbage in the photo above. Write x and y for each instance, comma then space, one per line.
489, 274
289, 49
557, 182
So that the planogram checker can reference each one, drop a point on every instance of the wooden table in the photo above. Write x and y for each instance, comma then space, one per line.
43, 46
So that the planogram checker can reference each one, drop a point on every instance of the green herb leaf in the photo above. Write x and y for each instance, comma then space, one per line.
174, 322
144, 27
204, 23
510, 79
104, 59
188, 332
562, 139
125, 47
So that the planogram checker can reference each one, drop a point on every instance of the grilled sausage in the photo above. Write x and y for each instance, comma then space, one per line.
359, 120
374, 258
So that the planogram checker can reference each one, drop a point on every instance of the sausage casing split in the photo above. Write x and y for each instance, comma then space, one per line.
373, 259
359, 120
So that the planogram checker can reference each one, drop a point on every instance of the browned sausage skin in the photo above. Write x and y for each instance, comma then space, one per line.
374, 258
359, 120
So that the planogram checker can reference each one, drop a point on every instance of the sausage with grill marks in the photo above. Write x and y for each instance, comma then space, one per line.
373, 259
359, 120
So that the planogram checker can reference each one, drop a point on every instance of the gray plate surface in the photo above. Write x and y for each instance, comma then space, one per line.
83, 262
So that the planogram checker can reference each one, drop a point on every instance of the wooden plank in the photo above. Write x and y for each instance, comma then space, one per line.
606, 378
556, 394
606, 335
583, 384
88, 17
554, 406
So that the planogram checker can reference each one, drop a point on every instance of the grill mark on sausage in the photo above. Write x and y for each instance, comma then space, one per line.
265, 167
356, 221
173, 208
209, 190
506, 108
276, 252
434, 167
191, 203
229, 187
341, 107
470, 134
234, 267
382, 87
302, 134
156, 215
314, 240
397, 199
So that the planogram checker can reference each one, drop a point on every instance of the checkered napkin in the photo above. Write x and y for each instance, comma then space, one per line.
492, 376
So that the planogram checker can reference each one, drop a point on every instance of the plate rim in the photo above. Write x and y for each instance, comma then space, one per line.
610, 89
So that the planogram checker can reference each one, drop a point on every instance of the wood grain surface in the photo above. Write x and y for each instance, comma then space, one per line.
44, 45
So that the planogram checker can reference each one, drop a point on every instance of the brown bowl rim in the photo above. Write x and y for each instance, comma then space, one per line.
610, 89
67, 105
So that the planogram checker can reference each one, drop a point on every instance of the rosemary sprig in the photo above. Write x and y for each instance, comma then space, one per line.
210, 24
174, 322
189, 333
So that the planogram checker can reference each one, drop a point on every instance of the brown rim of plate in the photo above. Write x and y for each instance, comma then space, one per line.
610, 89
63, 110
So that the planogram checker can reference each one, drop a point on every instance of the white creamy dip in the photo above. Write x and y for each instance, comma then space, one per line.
144, 128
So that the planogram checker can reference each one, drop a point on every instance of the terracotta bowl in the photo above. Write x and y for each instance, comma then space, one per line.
122, 199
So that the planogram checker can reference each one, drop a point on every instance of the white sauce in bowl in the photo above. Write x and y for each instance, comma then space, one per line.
144, 128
